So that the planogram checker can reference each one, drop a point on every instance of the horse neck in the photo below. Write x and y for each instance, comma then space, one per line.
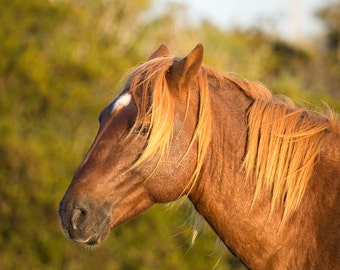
330, 152
221, 196
224, 198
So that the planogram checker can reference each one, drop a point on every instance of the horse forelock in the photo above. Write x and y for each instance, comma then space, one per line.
156, 109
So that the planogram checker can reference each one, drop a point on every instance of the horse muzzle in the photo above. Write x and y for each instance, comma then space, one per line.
84, 222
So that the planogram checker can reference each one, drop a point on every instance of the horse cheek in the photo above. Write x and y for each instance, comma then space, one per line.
171, 184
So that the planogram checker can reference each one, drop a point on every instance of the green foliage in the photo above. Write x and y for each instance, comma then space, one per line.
59, 62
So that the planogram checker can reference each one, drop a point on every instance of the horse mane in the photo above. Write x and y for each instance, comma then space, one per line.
156, 110
283, 146
283, 141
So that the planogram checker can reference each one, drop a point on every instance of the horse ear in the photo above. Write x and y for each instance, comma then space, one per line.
161, 51
186, 69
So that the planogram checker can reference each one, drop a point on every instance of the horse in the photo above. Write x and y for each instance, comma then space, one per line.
263, 172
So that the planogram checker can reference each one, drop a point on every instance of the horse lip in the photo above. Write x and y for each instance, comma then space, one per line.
90, 235
93, 236
90, 239
92, 242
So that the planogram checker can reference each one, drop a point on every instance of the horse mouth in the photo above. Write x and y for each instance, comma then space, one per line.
92, 242
89, 236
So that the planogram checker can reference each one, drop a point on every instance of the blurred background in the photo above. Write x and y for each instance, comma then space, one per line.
60, 61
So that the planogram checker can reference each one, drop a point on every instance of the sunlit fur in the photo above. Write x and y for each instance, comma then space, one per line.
283, 142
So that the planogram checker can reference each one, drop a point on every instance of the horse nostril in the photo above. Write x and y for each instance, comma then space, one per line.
78, 218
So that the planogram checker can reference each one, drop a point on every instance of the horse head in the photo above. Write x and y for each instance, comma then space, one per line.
144, 151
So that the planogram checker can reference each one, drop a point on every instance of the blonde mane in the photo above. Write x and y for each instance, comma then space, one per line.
283, 148
283, 142
149, 88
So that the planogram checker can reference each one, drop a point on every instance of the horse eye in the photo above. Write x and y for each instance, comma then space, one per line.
142, 130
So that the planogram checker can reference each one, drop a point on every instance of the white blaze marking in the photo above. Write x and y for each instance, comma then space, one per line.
121, 102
